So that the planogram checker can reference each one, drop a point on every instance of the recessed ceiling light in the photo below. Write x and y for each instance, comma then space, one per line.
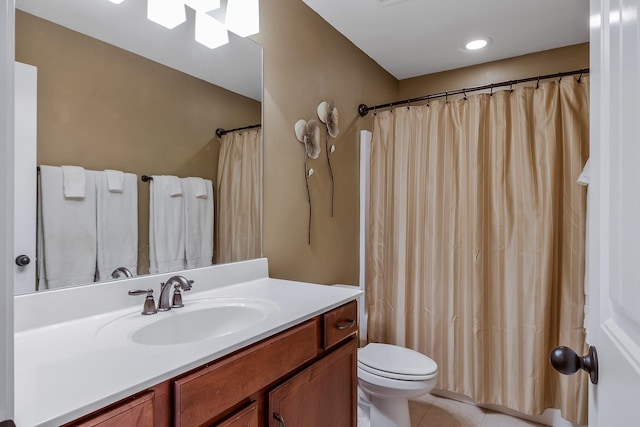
476, 44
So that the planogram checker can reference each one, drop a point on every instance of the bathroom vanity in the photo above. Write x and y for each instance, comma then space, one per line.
293, 363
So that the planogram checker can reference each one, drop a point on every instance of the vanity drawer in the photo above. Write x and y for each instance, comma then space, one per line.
248, 417
208, 392
340, 323
130, 413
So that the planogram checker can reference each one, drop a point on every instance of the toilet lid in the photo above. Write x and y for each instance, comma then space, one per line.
396, 362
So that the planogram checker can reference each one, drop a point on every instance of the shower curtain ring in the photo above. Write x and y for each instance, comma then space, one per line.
446, 97
538, 83
580, 77
491, 93
464, 93
511, 86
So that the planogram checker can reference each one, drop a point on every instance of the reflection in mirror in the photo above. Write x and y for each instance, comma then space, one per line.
118, 92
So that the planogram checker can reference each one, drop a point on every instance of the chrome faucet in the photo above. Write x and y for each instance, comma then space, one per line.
179, 282
118, 272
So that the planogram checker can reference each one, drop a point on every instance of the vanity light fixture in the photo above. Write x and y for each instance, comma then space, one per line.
476, 44
168, 13
243, 17
209, 31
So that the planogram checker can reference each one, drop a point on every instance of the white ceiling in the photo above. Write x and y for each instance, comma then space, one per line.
236, 66
411, 38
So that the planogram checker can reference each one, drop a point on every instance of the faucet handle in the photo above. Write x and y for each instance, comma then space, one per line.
177, 296
149, 304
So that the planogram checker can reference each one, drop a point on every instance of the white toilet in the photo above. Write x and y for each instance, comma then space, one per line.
388, 376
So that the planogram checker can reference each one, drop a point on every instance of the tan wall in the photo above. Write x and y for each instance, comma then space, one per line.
101, 107
306, 61
535, 64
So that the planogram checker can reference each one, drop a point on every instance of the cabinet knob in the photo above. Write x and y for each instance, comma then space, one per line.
279, 419
22, 260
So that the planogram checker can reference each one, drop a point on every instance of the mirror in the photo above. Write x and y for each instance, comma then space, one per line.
117, 91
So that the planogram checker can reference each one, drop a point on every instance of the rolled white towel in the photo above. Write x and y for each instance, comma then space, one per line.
74, 182
115, 181
172, 183
199, 187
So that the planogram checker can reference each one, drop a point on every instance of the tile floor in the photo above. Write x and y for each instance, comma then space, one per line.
434, 411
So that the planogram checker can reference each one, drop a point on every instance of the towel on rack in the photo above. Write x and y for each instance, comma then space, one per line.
199, 187
67, 242
198, 222
173, 185
115, 180
166, 226
117, 224
74, 181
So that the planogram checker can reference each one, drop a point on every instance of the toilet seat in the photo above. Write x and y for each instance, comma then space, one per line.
394, 362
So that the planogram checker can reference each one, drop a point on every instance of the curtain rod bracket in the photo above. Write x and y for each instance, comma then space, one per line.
363, 110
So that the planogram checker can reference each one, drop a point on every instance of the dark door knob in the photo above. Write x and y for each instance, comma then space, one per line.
22, 260
567, 362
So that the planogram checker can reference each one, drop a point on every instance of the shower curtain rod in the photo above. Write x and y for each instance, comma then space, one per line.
363, 109
220, 132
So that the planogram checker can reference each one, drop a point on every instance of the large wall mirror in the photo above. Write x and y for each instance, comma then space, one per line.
117, 91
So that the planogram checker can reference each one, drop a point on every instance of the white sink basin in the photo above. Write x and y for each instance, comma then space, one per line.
198, 325
198, 320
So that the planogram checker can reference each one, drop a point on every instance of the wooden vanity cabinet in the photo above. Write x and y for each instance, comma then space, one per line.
306, 374
324, 394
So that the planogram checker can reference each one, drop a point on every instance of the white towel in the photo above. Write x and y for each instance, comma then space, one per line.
173, 185
75, 181
117, 234
115, 181
198, 222
199, 187
67, 243
166, 226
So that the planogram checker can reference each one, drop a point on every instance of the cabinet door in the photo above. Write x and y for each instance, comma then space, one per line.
322, 395
137, 413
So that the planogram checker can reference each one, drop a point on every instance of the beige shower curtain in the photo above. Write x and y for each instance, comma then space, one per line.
477, 238
238, 195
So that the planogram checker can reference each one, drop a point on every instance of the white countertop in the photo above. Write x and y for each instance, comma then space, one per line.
69, 369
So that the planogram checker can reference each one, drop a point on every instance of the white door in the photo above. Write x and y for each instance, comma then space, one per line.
614, 226
26, 103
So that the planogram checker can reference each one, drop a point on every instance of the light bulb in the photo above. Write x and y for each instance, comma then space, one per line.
210, 32
243, 17
168, 13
